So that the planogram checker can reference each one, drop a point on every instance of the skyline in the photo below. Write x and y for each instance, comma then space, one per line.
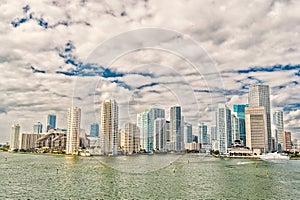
43, 53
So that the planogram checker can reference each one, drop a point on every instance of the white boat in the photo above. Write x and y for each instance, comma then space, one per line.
274, 157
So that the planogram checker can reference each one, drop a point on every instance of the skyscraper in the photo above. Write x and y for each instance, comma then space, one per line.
259, 95
239, 111
15, 137
94, 132
202, 130
235, 127
38, 128
187, 133
279, 127
109, 127
74, 117
175, 122
160, 137
145, 122
51, 122
256, 129
213, 133
224, 127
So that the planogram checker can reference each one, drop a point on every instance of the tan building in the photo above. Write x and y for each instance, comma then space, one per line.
28, 140
256, 129
109, 127
74, 117
132, 138
287, 143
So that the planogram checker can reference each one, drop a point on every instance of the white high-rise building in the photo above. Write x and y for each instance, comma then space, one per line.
145, 122
259, 95
176, 129
279, 128
109, 127
223, 127
73, 132
15, 137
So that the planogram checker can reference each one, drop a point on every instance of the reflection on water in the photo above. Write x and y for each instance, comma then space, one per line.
140, 177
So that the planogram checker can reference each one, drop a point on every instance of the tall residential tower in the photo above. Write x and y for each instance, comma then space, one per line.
74, 117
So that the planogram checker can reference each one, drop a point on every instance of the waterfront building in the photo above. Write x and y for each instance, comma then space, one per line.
193, 146
94, 132
131, 138
38, 128
160, 139
15, 137
256, 129
287, 143
279, 128
259, 95
109, 127
51, 122
235, 127
239, 111
53, 140
213, 133
145, 122
187, 133
28, 140
202, 133
176, 129
223, 124
73, 130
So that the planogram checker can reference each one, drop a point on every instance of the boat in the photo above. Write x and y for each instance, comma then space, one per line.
274, 157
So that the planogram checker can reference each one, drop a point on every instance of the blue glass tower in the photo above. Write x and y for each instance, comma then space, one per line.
51, 122
239, 109
94, 130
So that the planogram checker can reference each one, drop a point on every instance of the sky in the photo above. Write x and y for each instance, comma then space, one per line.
145, 54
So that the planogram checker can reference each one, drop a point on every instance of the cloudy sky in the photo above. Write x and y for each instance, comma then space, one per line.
55, 54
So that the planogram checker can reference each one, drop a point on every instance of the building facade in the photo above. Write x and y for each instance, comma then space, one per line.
15, 137
259, 95
223, 124
239, 111
73, 131
94, 132
160, 137
287, 141
109, 127
131, 138
202, 133
176, 129
38, 128
256, 129
279, 128
51, 122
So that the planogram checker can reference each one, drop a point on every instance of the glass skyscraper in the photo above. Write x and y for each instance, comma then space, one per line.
239, 110
202, 130
94, 132
51, 122
176, 129
38, 127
